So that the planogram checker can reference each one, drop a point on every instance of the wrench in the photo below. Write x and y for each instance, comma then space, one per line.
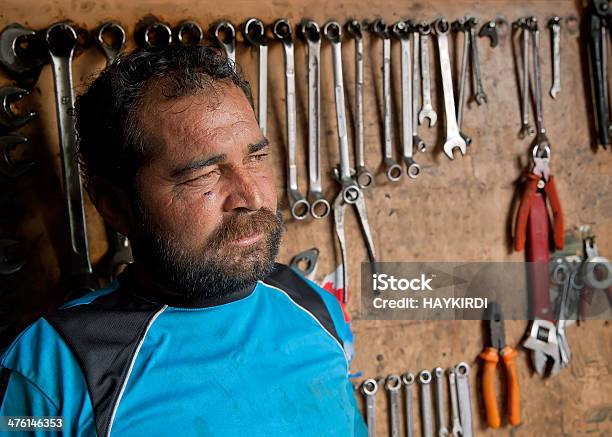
480, 96
363, 176
188, 32
298, 205
308, 258
8, 119
526, 128
61, 40
541, 138
111, 40
408, 380
311, 34
453, 138
427, 110
393, 384
22, 54
255, 33
426, 406
225, 35
401, 31
460, 25
457, 430
462, 371
555, 26
8, 167
594, 262
439, 391
9, 262
157, 34
489, 29
369, 389
394, 170
417, 142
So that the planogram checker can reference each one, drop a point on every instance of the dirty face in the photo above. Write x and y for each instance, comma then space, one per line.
207, 215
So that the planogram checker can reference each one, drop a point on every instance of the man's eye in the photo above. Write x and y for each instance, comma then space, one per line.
259, 156
205, 178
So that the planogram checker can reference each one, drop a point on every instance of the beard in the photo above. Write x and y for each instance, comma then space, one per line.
219, 268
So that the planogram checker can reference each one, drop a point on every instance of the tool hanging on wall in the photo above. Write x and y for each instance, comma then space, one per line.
462, 25
254, 33
415, 31
555, 33
526, 128
369, 387
22, 54
188, 32
224, 34
151, 33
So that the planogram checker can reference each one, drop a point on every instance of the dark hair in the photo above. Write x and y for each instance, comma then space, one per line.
111, 142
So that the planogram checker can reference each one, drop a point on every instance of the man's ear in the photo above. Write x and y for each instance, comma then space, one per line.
112, 203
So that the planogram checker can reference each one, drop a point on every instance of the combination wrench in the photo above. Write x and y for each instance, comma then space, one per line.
460, 26
225, 35
61, 40
526, 128
408, 380
188, 32
369, 389
427, 110
426, 405
156, 34
417, 141
401, 31
363, 176
350, 193
393, 385
456, 430
480, 95
311, 34
255, 33
453, 137
298, 205
393, 169
438, 374
462, 371
555, 27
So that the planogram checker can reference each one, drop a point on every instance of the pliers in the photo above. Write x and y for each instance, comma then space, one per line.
490, 357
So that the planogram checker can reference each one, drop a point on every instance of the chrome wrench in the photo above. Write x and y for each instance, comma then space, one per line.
408, 380
225, 34
453, 137
462, 371
526, 128
480, 96
393, 169
363, 176
298, 205
438, 374
111, 40
426, 405
393, 384
555, 26
460, 25
319, 206
401, 31
417, 141
188, 32
369, 389
456, 430
255, 34
427, 110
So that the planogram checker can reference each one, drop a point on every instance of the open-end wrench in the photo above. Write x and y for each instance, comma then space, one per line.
480, 95
311, 34
417, 141
350, 193
438, 374
22, 54
555, 27
460, 26
462, 371
595, 263
9, 120
526, 128
401, 31
9, 262
363, 176
393, 169
456, 430
188, 32
408, 380
489, 29
255, 33
297, 203
225, 35
393, 384
369, 389
156, 34
426, 404
61, 40
427, 110
453, 137
111, 40
8, 167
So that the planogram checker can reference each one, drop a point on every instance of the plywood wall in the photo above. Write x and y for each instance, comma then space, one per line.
454, 211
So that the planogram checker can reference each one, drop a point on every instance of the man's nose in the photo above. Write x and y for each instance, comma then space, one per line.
244, 191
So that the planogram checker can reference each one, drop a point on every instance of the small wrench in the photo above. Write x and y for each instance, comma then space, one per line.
457, 430
188, 32
426, 405
439, 391
541, 139
225, 35
8, 119
453, 137
526, 128
555, 26
157, 34
111, 40
462, 370
255, 34
22, 54
417, 141
480, 96
427, 110
408, 380
393, 384
369, 389
8, 167
460, 25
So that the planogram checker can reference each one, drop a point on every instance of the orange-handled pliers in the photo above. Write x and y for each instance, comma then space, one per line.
491, 357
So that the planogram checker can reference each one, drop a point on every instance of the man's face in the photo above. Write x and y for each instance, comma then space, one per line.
207, 208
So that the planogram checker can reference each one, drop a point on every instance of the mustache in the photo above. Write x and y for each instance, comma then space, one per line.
244, 225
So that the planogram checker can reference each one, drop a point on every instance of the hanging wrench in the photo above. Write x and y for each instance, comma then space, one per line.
555, 27
22, 54
453, 138
61, 40
417, 142
427, 110
255, 33
369, 389
111, 40
457, 430
426, 405
526, 128
393, 384
350, 193
394, 170
8, 119
188, 32
480, 96
462, 371
401, 31
8, 167
439, 391
157, 34
460, 26
311, 34
298, 205
363, 176
225, 35
408, 380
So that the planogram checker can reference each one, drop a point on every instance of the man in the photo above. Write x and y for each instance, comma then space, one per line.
204, 334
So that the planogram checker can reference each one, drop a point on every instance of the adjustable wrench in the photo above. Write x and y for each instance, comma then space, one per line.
255, 34
188, 32
111, 40
157, 34
555, 26
350, 193
408, 380
480, 96
453, 137
401, 31
439, 391
460, 25
8, 119
298, 205
462, 371
394, 170
427, 110
363, 176
225, 35
311, 34
426, 405
417, 142
8, 167
369, 389
457, 430
526, 128
393, 384
61, 40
